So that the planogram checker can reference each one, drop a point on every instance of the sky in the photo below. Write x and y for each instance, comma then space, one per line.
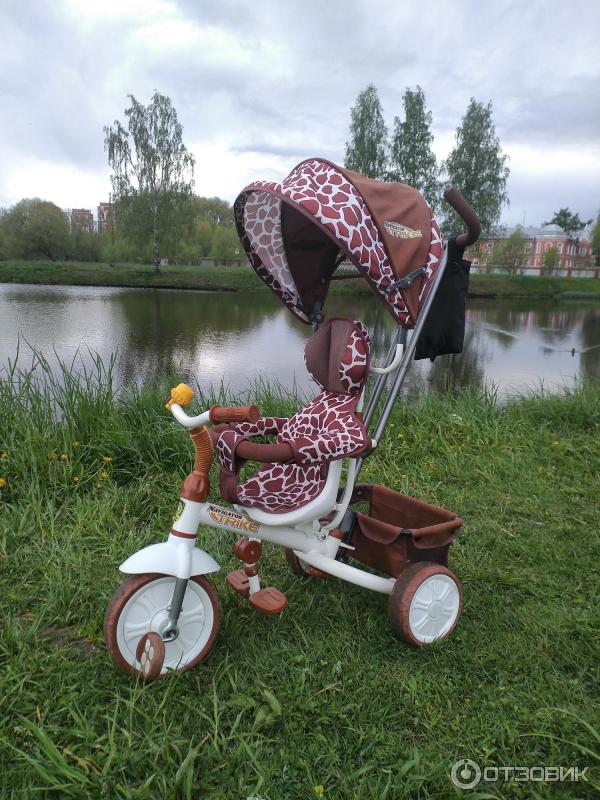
259, 86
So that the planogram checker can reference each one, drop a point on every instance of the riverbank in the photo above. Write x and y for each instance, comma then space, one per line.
242, 278
357, 713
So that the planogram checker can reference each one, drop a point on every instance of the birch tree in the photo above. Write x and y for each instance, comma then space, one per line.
152, 171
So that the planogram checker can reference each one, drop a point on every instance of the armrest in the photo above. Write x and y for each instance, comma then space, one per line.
264, 453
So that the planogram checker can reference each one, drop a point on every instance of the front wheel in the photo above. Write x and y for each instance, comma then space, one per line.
425, 603
140, 607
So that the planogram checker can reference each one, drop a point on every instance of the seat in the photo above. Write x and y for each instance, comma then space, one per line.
295, 468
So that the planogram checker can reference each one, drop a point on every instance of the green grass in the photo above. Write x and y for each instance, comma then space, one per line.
242, 278
322, 696
70, 273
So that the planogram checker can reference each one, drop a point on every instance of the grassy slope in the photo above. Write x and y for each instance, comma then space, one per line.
362, 714
242, 278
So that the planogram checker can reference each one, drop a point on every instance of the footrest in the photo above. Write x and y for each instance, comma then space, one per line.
239, 582
269, 600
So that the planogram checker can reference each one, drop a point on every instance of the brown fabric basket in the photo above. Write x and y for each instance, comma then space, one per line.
399, 530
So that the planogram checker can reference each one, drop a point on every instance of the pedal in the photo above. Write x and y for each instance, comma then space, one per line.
317, 573
239, 582
269, 600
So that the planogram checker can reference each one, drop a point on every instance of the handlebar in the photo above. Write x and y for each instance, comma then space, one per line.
470, 218
182, 395
239, 414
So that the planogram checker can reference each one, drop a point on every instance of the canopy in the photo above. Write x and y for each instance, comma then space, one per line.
297, 232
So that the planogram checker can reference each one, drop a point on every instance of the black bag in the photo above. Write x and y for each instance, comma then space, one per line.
444, 329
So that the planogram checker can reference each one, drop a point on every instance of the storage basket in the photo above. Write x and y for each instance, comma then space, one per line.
399, 530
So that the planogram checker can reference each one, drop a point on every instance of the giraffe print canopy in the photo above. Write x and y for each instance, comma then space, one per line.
297, 232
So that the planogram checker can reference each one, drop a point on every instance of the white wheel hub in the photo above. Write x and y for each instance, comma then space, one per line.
147, 610
434, 608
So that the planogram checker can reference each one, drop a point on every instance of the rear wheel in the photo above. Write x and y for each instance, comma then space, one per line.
425, 603
139, 608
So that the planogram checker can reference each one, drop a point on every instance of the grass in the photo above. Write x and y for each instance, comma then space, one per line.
322, 701
242, 278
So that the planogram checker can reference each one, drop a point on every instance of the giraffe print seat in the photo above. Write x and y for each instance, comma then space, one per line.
327, 429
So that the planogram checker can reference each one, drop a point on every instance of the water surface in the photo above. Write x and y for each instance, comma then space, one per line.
235, 338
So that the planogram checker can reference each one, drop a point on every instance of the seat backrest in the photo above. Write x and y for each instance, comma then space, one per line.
328, 429
338, 354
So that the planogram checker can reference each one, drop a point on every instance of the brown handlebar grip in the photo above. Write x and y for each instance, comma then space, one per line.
238, 414
470, 218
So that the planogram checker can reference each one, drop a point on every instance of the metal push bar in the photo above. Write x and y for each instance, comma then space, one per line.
460, 205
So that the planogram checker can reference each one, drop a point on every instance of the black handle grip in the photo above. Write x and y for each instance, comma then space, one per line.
470, 218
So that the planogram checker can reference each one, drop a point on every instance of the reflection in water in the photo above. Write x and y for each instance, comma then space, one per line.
237, 338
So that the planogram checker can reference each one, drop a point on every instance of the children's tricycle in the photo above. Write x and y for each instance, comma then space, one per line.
305, 497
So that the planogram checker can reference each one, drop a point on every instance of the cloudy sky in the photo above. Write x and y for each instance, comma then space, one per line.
260, 85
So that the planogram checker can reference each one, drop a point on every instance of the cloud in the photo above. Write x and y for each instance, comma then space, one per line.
259, 86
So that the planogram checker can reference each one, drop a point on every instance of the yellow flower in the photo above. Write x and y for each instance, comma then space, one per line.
104, 475
2, 482
52, 456
75, 444
107, 459
98, 486
75, 478
63, 457
318, 790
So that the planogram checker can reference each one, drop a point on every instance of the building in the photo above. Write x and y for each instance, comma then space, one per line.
573, 257
81, 219
105, 220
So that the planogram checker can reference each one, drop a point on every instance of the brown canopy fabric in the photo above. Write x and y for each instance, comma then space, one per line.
297, 232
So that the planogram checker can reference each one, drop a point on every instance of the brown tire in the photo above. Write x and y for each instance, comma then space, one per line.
123, 647
425, 603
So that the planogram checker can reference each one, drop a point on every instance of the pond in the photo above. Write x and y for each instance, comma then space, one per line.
236, 338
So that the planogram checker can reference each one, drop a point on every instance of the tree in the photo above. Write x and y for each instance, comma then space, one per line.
213, 210
551, 260
153, 173
596, 241
477, 167
569, 222
509, 254
225, 244
35, 229
412, 160
366, 152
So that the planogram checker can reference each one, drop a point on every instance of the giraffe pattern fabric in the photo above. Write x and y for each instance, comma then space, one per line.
327, 429
326, 195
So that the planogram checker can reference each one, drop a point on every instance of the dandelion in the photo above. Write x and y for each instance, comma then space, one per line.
75, 478
98, 486
64, 457
107, 459
104, 475
318, 790
75, 444
3, 482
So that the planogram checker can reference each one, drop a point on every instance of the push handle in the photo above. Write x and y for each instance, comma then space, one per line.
239, 414
470, 218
